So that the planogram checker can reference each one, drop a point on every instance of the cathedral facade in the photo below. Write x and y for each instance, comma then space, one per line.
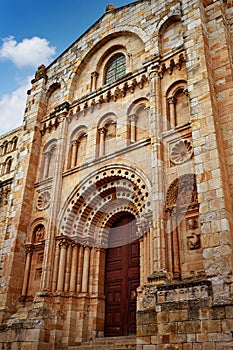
116, 193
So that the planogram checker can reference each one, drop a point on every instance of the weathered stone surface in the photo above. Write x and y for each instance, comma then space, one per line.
134, 120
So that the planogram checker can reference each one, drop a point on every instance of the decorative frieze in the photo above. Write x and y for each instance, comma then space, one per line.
161, 293
173, 64
186, 291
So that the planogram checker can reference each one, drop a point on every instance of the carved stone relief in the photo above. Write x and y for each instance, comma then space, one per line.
181, 152
43, 200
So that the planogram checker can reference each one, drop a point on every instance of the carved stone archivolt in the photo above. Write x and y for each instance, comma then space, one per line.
99, 201
43, 200
181, 152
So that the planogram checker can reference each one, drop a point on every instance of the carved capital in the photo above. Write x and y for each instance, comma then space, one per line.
133, 118
94, 75
63, 243
29, 248
74, 142
102, 130
171, 100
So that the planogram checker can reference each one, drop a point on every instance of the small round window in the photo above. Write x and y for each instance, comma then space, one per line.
115, 69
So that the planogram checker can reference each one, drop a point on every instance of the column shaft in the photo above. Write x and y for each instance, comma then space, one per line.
86, 264
74, 267
80, 269
61, 271
55, 269
29, 252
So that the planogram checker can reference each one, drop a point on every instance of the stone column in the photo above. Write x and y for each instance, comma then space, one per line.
157, 167
93, 263
146, 254
80, 268
3, 168
133, 130
102, 133
68, 267
96, 270
29, 250
150, 233
94, 77
47, 158
176, 254
172, 111
62, 263
74, 151
86, 264
142, 267
74, 267
55, 269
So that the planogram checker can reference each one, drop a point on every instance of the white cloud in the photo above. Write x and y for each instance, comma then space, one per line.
12, 108
29, 52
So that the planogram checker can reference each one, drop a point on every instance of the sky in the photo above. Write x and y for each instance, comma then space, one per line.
34, 33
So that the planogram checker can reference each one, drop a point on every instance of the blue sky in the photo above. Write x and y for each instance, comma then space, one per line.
36, 32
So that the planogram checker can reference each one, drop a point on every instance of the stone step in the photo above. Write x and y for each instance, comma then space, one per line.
110, 343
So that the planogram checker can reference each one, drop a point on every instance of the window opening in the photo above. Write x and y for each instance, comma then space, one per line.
116, 68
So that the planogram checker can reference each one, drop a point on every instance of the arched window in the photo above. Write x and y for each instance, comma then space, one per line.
48, 160
138, 122
78, 149
14, 143
8, 165
115, 68
5, 147
34, 261
106, 138
178, 105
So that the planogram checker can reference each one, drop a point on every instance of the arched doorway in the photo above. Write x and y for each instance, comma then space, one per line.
121, 277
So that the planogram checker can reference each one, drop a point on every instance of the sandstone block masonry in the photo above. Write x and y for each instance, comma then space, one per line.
116, 192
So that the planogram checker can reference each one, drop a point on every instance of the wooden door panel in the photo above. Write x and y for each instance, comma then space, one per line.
121, 279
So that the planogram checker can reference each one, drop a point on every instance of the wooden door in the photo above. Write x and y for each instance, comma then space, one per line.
121, 278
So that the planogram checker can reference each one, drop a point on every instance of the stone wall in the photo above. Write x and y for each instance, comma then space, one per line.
154, 144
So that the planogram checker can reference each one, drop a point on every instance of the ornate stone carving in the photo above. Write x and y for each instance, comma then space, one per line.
110, 8
181, 152
183, 292
194, 241
149, 300
182, 191
228, 3
40, 73
194, 237
43, 200
39, 234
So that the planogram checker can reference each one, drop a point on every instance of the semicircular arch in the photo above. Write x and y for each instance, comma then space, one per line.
113, 41
102, 196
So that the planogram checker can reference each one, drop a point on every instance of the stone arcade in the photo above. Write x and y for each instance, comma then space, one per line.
116, 192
